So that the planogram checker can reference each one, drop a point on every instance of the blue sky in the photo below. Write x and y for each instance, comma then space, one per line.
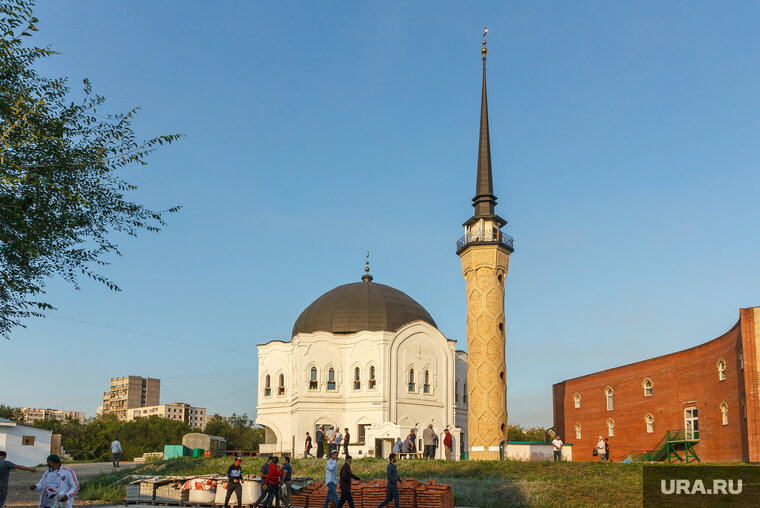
625, 146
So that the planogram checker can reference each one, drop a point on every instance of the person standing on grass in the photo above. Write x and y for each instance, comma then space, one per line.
558, 444
393, 481
331, 479
115, 452
447, 442
273, 484
57, 484
330, 438
435, 445
345, 483
606, 449
264, 473
234, 475
287, 481
338, 441
346, 440
320, 439
5, 468
427, 442
413, 437
307, 452
600, 449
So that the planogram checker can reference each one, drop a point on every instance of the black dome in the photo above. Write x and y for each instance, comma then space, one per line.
360, 306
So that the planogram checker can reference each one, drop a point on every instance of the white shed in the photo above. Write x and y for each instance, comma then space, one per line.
24, 444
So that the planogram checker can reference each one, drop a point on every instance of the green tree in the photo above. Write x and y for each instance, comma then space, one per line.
532, 434
238, 430
11, 413
61, 194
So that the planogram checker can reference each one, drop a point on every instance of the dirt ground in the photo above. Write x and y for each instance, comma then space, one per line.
18, 486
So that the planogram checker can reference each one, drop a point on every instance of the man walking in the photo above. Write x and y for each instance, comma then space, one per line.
447, 442
606, 449
5, 468
558, 444
264, 473
307, 452
273, 484
428, 435
393, 481
287, 481
346, 440
600, 449
115, 452
234, 475
331, 479
57, 484
320, 439
345, 483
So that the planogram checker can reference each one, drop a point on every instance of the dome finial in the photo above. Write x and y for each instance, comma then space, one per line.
366, 277
484, 50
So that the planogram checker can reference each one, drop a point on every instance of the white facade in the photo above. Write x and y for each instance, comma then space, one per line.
405, 379
25, 445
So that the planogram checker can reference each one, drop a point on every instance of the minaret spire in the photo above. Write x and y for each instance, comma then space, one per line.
484, 200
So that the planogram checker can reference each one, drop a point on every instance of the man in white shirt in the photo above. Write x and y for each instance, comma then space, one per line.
600, 449
557, 448
115, 451
338, 440
57, 484
331, 479
330, 438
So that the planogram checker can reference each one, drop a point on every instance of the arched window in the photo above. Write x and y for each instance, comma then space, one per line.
577, 431
411, 380
281, 386
650, 424
741, 357
724, 412
577, 400
372, 380
313, 383
647, 384
610, 427
464, 393
721, 370
357, 379
268, 386
608, 392
426, 385
456, 391
331, 379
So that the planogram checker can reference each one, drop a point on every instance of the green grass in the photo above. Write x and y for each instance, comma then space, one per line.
481, 484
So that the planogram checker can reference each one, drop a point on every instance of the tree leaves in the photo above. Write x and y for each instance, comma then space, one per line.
61, 193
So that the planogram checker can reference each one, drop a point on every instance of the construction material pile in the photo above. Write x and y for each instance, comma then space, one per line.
412, 494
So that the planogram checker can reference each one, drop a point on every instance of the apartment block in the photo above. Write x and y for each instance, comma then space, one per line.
33, 414
130, 392
196, 417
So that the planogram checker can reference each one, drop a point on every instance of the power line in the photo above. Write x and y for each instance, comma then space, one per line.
154, 336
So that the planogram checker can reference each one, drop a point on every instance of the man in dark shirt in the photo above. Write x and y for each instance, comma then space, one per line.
307, 446
393, 481
234, 475
5, 467
345, 482
264, 473
346, 439
287, 481
320, 440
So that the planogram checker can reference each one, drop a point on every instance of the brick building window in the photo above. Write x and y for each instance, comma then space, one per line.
313, 383
650, 424
647, 384
610, 427
357, 379
724, 413
721, 370
740, 353
577, 431
267, 387
608, 393
577, 400
372, 380
281, 386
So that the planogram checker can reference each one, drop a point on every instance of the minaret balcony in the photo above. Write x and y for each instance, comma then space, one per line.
489, 235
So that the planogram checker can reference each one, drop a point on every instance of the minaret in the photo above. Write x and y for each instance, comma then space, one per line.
484, 251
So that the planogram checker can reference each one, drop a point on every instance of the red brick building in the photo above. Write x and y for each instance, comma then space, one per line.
711, 388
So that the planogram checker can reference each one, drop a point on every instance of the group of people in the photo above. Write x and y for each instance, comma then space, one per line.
602, 449
346, 475
333, 438
57, 487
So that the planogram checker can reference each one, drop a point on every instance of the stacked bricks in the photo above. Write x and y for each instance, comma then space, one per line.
412, 494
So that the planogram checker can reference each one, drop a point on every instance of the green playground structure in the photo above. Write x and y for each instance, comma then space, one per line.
668, 448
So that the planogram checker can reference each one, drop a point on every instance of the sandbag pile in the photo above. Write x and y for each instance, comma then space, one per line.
412, 494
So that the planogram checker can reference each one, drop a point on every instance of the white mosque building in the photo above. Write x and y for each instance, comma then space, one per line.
367, 357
